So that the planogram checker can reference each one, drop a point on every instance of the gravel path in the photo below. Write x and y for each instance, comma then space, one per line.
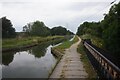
70, 66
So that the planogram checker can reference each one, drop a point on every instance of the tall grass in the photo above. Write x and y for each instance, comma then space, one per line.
12, 43
92, 75
95, 40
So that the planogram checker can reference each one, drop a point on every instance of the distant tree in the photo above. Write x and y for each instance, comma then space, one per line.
7, 30
36, 28
69, 32
60, 31
39, 29
27, 29
92, 28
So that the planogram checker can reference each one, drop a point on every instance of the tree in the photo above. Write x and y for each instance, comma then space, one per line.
36, 28
92, 28
7, 30
39, 29
111, 29
69, 32
108, 29
60, 31
27, 29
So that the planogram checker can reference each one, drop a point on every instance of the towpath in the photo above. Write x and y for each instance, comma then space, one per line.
70, 66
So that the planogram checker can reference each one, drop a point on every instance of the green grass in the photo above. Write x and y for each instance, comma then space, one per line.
13, 43
86, 63
66, 44
95, 40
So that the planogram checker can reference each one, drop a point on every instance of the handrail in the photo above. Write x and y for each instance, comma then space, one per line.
114, 67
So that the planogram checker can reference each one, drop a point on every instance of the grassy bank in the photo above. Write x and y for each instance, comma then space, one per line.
18, 43
95, 40
87, 65
66, 44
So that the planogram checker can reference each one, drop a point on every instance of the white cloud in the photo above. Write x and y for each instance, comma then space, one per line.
54, 12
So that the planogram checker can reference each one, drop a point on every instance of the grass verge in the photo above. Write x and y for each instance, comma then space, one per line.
95, 40
18, 43
66, 44
86, 63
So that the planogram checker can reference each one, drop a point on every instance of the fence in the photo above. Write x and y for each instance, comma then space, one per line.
110, 70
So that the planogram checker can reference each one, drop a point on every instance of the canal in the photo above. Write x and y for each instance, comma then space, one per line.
34, 62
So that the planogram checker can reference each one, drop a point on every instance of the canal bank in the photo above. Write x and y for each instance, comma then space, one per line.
17, 44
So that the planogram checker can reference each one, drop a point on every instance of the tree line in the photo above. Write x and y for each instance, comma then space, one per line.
108, 29
36, 28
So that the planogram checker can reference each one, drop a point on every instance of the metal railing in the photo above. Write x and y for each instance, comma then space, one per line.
110, 69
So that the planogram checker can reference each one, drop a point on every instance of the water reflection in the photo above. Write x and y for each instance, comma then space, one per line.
37, 51
40, 50
7, 58
35, 62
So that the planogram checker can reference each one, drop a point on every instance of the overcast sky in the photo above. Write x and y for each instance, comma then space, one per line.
67, 13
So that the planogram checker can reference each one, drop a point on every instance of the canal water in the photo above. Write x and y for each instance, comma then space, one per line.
34, 62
